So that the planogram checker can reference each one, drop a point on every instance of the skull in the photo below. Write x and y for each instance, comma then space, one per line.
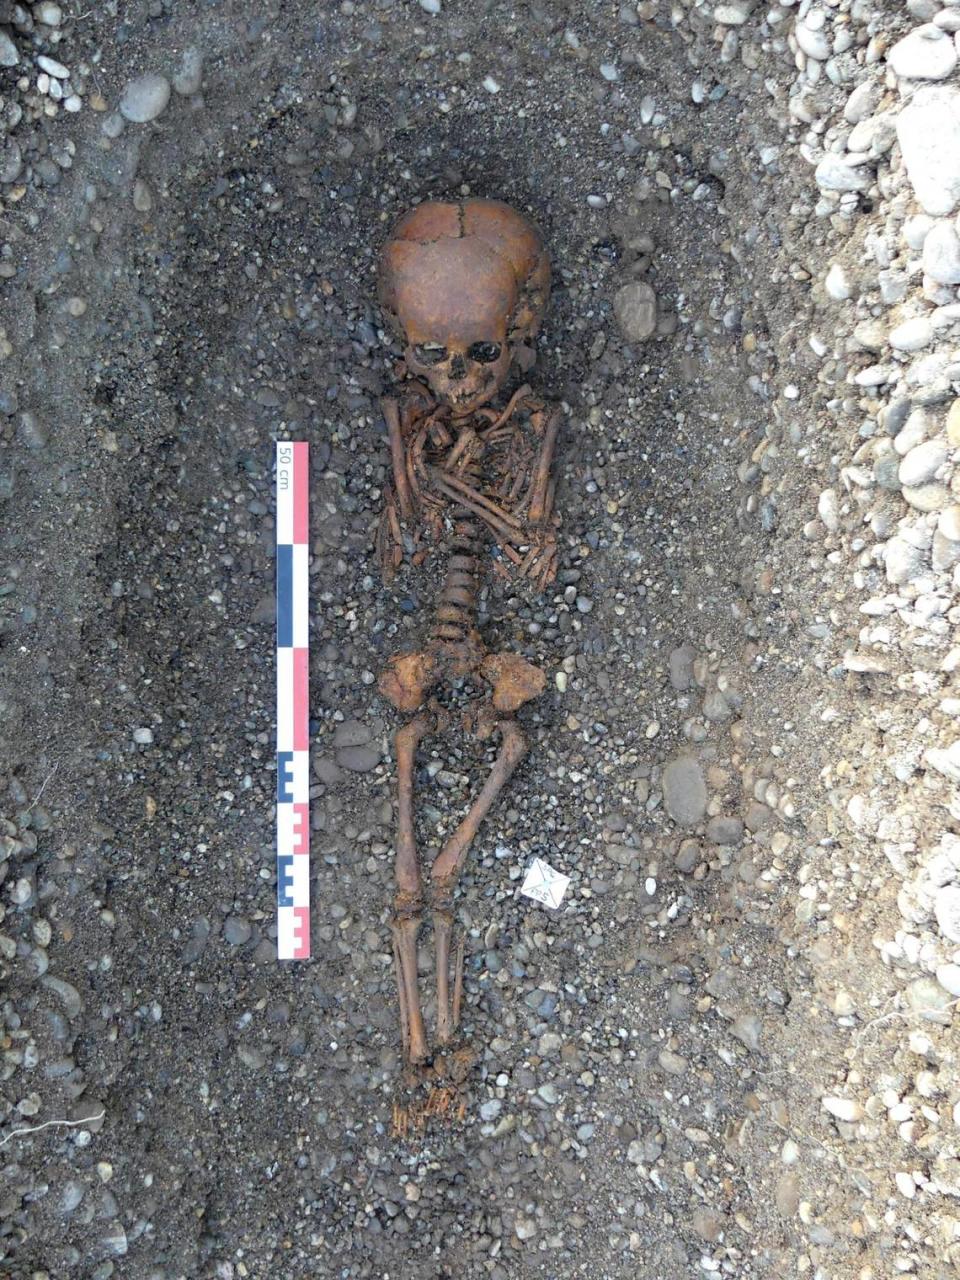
465, 286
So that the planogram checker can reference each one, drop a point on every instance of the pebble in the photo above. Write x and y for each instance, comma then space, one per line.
813, 43
926, 53
838, 173
142, 196
9, 57
948, 975
862, 102
912, 335
684, 791
946, 908
145, 98
143, 737
635, 308
360, 759
747, 1029
845, 1109
188, 79
837, 283
941, 253
949, 523
928, 129
680, 666
927, 998
30, 431
922, 463
66, 993
902, 560
828, 509
725, 831
237, 930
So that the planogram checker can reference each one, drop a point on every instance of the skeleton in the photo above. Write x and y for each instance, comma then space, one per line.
464, 286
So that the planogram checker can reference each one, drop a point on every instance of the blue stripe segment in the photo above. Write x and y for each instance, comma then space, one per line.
284, 596
284, 777
285, 881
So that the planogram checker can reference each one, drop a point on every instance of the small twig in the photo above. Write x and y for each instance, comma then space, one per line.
902, 1013
42, 787
35, 1128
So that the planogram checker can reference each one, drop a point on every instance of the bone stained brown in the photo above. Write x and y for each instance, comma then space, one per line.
464, 285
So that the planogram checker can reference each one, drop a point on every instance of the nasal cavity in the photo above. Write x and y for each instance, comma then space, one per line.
458, 367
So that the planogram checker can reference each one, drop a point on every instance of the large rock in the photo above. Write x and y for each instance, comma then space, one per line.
635, 307
926, 53
929, 133
684, 791
145, 98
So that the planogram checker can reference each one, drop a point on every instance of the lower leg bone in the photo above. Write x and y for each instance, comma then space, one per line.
448, 864
409, 899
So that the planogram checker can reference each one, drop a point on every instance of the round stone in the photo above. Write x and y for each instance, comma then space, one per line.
926, 53
813, 43
912, 335
922, 463
145, 98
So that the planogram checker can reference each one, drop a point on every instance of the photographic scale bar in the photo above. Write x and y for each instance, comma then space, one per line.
293, 702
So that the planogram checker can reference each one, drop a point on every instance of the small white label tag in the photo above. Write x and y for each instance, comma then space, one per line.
544, 884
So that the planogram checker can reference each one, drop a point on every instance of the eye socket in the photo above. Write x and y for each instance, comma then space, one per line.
484, 352
430, 352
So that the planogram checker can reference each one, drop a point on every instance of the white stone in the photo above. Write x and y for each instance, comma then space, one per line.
876, 134
847, 1109
862, 102
430, 6
912, 335
143, 737
53, 68
941, 253
48, 13
837, 283
929, 132
813, 43
732, 15
947, 762
828, 510
949, 523
915, 229
901, 561
922, 463
9, 57
948, 975
840, 173
946, 907
926, 53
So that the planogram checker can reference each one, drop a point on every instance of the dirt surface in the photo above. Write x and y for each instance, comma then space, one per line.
653, 1056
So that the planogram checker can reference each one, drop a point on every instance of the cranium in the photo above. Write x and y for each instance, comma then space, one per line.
465, 286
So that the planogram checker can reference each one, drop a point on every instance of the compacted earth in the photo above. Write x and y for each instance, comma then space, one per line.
731, 1050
